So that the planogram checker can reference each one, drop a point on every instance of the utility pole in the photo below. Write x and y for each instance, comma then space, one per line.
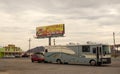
29, 45
114, 38
114, 43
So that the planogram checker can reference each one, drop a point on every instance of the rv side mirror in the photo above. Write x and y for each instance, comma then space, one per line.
104, 53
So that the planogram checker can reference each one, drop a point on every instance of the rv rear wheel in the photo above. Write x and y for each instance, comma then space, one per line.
58, 61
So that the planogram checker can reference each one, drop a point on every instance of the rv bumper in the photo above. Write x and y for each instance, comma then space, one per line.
106, 60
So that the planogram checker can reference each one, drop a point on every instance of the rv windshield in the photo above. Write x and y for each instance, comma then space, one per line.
106, 49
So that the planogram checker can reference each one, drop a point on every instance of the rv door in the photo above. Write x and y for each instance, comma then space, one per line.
99, 56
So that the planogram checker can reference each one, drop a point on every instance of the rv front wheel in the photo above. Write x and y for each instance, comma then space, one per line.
92, 63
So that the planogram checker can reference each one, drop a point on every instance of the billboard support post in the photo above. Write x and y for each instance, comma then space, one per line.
54, 41
49, 41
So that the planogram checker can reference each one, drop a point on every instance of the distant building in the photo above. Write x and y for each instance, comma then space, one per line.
10, 50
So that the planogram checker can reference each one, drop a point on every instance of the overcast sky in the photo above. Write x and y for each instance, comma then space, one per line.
85, 20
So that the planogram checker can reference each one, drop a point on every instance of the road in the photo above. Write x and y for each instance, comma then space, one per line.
25, 66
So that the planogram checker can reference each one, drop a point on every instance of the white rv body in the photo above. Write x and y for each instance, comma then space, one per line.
96, 54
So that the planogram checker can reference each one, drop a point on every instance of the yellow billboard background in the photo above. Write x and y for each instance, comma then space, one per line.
50, 31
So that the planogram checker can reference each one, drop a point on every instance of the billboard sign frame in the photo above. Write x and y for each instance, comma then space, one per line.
57, 30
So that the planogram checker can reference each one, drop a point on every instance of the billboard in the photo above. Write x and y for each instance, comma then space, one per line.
50, 31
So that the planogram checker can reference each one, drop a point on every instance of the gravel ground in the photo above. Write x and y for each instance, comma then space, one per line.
25, 66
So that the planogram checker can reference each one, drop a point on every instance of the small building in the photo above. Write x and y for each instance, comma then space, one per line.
10, 51
1, 52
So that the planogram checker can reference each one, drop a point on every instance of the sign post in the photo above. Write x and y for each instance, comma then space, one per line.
49, 41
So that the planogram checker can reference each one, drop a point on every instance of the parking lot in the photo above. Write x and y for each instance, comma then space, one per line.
25, 66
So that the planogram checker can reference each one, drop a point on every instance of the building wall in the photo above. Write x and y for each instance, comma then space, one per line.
1, 50
10, 50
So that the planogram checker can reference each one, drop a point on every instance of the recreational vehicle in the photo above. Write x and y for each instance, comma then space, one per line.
93, 54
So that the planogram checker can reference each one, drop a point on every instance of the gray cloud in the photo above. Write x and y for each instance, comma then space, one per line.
11, 29
90, 18
53, 6
86, 9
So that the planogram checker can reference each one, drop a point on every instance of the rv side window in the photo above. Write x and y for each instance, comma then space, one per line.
85, 48
94, 50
